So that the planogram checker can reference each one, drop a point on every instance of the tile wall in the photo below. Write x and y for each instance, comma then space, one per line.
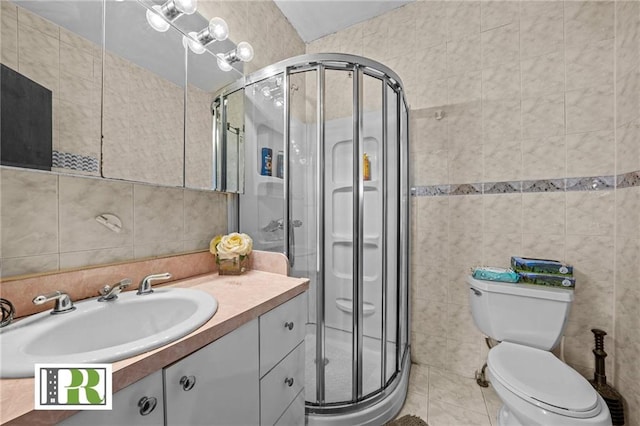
540, 103
47, 221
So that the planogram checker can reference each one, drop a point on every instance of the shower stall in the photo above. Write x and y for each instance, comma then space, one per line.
335, 201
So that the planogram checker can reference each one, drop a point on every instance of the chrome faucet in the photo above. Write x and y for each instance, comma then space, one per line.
63, 302
111, 292
145, 284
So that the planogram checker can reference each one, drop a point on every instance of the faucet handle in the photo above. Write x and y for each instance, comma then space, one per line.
145, 284
110, 292
63, 302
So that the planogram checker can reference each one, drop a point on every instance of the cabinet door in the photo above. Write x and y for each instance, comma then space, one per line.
217, 385
281, 385
129, 406
281, 330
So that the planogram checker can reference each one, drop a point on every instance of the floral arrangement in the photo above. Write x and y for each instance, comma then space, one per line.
231, 246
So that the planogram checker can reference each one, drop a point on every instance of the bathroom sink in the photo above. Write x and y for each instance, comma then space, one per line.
103, 331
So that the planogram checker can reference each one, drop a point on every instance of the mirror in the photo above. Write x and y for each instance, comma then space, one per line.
55, 114
229, 142
146, 118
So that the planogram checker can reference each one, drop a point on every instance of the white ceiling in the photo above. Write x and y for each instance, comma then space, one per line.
314, 19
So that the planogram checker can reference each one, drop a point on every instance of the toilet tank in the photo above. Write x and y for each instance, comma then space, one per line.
527, 314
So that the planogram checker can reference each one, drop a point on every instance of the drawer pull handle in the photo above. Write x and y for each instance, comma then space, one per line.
188, 382
147, 405
289, 381
288, 325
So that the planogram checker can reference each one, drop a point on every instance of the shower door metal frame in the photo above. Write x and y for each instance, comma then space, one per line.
359, 67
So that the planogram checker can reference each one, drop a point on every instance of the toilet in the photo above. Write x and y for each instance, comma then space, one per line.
536, 388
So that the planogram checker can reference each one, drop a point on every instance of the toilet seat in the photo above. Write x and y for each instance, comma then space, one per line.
543, 380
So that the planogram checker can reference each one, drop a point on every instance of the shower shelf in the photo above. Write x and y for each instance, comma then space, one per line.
348, 239
346, 305
369, 185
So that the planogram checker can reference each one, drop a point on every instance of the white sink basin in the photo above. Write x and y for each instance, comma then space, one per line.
103, 331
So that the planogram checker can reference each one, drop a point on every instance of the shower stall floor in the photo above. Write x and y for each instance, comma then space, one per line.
338, 364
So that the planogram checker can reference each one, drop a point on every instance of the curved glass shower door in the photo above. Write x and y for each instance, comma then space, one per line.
341, 130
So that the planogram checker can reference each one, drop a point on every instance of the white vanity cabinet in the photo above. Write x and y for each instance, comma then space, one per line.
253, 375
216, 385
282, 354
140, 403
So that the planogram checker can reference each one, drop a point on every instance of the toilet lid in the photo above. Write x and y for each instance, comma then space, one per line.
543, 380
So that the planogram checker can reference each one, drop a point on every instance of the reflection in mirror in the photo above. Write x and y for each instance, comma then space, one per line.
53, 50
143, 107
229, 142
202, 86
51, 84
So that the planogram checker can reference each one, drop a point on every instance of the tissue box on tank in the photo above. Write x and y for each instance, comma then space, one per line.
549, 280
540, 266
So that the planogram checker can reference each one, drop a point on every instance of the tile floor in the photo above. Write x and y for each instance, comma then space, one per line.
442, 398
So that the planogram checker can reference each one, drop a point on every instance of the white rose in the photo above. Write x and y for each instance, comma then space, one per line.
233, 245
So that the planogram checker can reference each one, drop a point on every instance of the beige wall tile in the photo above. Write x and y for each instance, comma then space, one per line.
205, 214
158, 215
142, 251
628, 98
627, 148
543, 246
501, 81
502, 160
543, 116
496, 13
589, 109
590, 65
500, 45
463, 18
590, 213
13, 266
431, 24
591, 154
588, 21
502, 213
80, 259
499, 247
543, 214
464, 55
9, 35
501, 120
552, 150
465, 88
81, 201
26, 231
541, 28
543, 75
464, 358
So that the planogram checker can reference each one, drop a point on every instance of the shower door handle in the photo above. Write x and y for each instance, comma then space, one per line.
292, 241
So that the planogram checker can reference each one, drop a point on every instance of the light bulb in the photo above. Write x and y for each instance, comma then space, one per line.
266, 92
194, 45
155, 19
278, 102
244, 51
186, 6
224, 65
219, 29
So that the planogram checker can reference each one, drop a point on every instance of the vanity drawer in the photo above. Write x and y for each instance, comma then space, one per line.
294, 416
281, 385
281, 330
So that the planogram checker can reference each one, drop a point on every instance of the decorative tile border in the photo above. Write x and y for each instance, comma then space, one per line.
66, 160
596, 183
628, 180
587, 183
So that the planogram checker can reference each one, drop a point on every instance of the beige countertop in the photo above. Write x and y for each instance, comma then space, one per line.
240, 299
